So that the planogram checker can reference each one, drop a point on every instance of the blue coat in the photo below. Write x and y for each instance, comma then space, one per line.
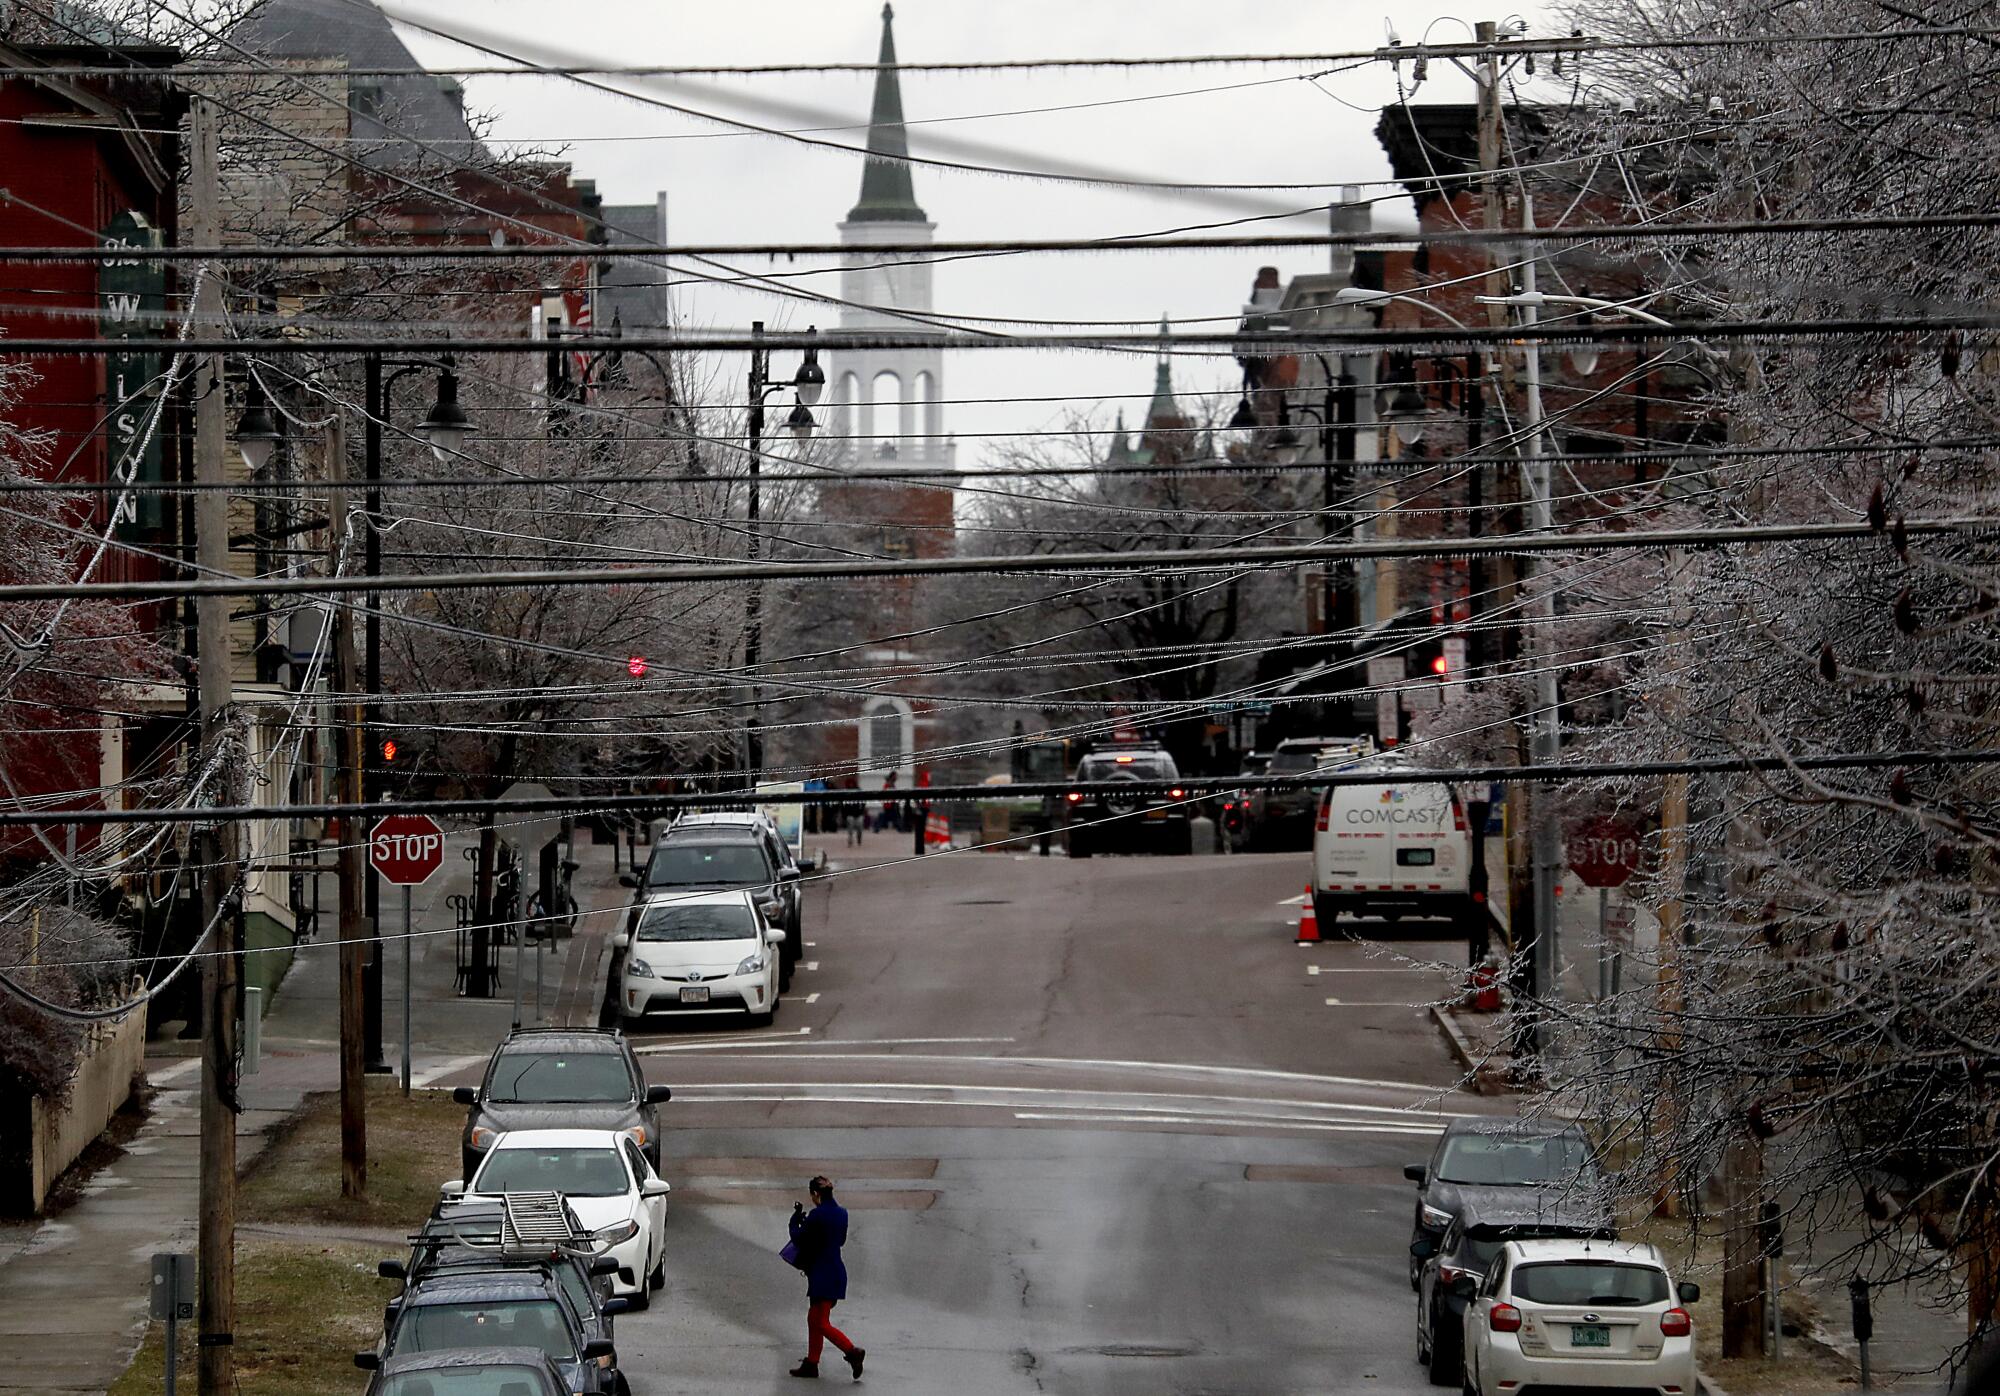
820, 1234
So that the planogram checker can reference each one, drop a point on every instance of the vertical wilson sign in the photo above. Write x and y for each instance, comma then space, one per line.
131, 298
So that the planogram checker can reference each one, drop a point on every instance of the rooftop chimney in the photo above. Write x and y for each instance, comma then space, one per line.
1351, 215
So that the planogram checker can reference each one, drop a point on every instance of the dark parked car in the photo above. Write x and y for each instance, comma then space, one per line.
561, 1078
469, 1372
710, 857
1467, 1249
474, 1236
515, 1309
1485, 1164
1282, 820
1101, 821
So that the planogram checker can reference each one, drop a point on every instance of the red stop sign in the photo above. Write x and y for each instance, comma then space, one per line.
1603, 852
407, 849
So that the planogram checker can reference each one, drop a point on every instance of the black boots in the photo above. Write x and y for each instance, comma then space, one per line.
806, 1368
855, 1359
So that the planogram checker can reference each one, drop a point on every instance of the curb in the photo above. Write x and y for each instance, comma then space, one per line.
1487, 1077
1707, 1387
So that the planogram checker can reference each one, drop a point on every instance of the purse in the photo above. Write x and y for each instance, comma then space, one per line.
789, 1253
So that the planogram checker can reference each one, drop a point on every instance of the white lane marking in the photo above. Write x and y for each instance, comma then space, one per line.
812, 945
1166, 1068
773, 1040
446, 1068
1397, 1130
1299, 900
1312, 969
174, 1072
809, 964
808, 1091
1373, 1003
1381, 969
722, 1046
812, 998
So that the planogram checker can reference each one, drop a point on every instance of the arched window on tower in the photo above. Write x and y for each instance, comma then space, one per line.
886, 396
927, 400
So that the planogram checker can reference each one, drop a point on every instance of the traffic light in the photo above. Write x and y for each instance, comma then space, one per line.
636, 666
1440, 666
389, 750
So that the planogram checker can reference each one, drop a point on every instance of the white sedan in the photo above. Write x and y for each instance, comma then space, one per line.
1601, 1315
610, 1185
700, 953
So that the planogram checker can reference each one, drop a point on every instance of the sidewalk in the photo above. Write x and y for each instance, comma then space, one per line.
73, 1288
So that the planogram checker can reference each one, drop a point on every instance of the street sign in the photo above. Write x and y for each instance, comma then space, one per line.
1453, 648
1603, 852
131, 296
406, 849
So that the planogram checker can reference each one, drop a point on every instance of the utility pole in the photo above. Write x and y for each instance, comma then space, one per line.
371, 508
753, 603
353, 855
1545, 740
221, 971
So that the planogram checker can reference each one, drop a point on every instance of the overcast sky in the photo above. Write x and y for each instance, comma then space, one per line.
745, 187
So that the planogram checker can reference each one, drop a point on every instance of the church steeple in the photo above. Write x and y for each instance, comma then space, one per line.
887, 195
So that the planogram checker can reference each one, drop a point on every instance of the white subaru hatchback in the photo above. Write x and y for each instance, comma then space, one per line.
710, 952
1597, 1315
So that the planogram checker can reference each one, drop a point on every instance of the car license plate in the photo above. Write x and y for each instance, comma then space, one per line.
1589, 1335
694, 994
1158, 813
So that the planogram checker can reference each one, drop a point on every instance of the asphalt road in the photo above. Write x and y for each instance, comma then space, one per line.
1101, 1127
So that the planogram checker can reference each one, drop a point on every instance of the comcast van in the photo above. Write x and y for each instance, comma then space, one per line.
1389, 850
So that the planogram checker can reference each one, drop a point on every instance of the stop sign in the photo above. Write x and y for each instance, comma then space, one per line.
1603, 852
407, 849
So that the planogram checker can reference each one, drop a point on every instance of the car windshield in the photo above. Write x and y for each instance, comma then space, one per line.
1601, 1283
1514, 1159
706, 864
1126, 767
523, 1323
559, 1078
575, 1172
731, 921
465, 1381
1288, 762
1475, 1253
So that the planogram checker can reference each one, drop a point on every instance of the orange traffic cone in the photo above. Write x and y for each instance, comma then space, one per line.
937, 831
1308, 922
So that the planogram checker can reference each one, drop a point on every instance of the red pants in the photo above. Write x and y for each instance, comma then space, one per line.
819, 1328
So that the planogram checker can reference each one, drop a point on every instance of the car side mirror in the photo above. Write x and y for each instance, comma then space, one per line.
655, 1187
1415, 1173
1689, 1292
621, 941
611, 1308
1423, 1248
391, 1270
604, 1265
774, 936
1465, 1287
452, 1187
465, 1095
368, 1361
628, 880
598, 1348
790, 874
659, 1095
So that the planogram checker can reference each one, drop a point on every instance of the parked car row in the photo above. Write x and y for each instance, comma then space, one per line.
558, 1225
1522, 1283
716, 925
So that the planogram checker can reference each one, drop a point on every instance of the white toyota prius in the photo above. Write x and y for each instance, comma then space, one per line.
713, 952
610, 1185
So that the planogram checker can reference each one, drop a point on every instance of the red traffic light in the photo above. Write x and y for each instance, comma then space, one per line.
636, 666
389, 750
1439, 666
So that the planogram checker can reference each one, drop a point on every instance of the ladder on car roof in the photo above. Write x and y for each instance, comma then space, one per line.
533, 1219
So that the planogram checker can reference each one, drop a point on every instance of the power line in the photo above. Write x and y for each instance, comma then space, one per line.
1319, 780
1028, 563
484, 252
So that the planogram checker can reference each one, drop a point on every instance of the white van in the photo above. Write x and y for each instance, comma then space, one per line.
1389, 850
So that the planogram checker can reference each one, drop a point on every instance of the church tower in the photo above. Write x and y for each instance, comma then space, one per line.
893, 394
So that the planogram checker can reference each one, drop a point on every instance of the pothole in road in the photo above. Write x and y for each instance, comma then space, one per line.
1139, 1350
985, 901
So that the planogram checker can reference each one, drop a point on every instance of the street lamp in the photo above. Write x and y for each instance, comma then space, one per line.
257, 434
806, 384
1409, 414
446, 426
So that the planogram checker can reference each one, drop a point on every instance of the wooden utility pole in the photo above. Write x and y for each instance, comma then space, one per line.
1742, 1247
215, 1242
353, 856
